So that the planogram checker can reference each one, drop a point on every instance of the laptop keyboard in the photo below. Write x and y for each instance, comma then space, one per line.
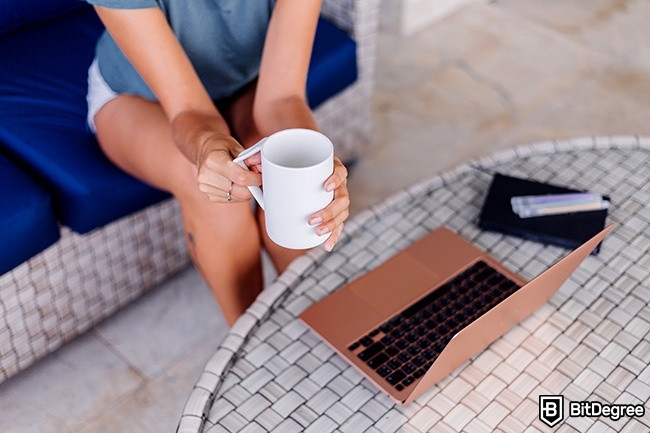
403, 348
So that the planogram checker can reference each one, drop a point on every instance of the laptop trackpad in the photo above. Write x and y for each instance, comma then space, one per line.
394, 285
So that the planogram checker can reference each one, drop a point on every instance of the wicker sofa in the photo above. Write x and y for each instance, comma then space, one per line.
96, 246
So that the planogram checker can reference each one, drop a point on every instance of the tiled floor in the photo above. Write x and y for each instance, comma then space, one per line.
491, 76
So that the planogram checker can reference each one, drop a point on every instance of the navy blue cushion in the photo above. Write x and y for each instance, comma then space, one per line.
43, 85
333, 65
14, 14
27, 223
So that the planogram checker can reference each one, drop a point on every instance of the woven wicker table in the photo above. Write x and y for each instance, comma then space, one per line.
591, 342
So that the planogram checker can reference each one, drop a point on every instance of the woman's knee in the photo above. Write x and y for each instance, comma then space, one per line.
225, 225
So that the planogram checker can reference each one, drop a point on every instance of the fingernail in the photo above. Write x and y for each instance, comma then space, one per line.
323, 231
330, 187
314, 221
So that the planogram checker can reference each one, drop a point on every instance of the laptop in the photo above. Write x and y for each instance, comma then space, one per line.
412, 320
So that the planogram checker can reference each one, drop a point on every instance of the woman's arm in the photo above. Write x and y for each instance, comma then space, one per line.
199, 130
280, 100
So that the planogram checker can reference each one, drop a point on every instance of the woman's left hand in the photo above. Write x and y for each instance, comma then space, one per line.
330, 219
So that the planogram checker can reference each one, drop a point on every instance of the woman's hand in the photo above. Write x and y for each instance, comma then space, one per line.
330, 219
221, 179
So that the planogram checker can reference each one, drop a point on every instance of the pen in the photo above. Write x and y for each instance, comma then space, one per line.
554, 204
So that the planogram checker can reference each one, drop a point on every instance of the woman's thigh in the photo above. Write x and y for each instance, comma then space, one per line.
135, 134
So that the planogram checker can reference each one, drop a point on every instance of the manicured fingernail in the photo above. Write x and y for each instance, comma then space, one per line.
330, 187
323, 231
314, 221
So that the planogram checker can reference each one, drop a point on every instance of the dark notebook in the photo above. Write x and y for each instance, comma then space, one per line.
566, 230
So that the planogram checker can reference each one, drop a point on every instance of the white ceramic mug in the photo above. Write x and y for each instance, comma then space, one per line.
295, 165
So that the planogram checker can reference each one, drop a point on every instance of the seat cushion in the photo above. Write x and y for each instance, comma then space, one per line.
333, 65
43, 122
27, 222
14, 14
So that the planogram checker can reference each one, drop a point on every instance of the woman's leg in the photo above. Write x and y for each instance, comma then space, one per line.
223, 239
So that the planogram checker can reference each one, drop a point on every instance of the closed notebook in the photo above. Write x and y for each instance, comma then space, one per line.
565, 230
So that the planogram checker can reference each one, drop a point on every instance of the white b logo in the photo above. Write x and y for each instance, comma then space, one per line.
551, 409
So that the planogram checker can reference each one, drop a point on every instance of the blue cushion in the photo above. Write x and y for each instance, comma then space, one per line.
43, 122
14, 14
27, 223
333, 65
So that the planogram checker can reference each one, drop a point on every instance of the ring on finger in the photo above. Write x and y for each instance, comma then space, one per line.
229, 195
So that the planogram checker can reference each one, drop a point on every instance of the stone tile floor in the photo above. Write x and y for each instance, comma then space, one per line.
491, 76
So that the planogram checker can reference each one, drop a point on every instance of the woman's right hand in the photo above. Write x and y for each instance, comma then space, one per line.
219, 178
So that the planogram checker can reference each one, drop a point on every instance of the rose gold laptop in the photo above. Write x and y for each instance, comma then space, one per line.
412, 320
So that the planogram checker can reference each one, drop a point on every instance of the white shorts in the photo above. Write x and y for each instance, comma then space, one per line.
99, 93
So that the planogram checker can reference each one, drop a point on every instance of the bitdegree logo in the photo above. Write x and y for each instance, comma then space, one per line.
551, 410
594, 409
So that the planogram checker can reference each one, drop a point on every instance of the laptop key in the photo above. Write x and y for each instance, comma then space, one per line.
404, 356
366, 341
419, 361
429, 354
378, 360
394, 363
402, 344
395, 377
384, 371
408, 368
392, 351
371, 351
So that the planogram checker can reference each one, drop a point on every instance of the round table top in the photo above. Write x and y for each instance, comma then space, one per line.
590, 342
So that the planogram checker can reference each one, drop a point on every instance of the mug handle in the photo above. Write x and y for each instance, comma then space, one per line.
255, 190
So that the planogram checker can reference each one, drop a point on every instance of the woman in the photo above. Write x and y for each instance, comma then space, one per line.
178, 89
